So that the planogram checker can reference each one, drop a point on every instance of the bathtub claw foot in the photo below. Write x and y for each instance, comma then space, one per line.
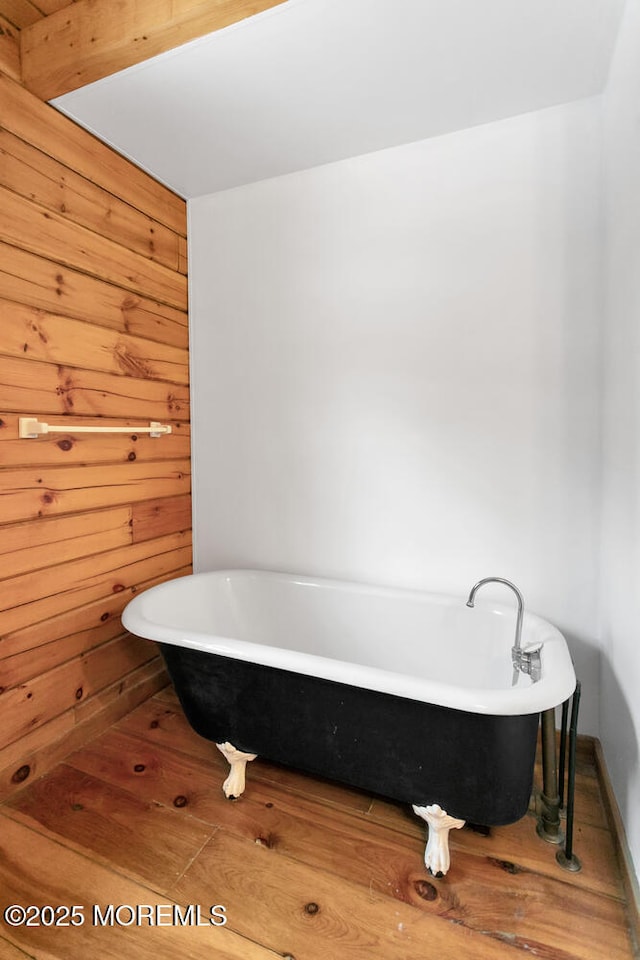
234, 784
436, 856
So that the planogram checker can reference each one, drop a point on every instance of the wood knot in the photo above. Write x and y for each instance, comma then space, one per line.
77, 806
425, 890
268, 805
131, 456
47, 498
180, 801
79, 693
65, 444
311, 909
21, 774
139, 767
118, 587
105, 616
506, 865
154, 724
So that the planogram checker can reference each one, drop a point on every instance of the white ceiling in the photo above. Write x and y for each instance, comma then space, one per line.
312, 81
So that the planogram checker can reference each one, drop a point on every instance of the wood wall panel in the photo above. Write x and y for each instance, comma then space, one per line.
36, 176
89, 618
56, 691
66, 449
56, 339
55, 237
47, 743
110, 574
93, 331
155, 518
29, 545
48, 388
47, 130
26, 278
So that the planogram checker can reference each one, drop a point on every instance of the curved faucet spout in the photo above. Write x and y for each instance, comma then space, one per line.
507, 583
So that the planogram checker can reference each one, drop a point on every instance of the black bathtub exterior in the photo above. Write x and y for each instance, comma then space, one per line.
478, 767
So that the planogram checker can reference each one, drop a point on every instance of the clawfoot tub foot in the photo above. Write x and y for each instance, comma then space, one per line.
234, 784
436, 856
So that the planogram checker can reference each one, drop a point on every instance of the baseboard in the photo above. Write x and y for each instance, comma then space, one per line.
629, 878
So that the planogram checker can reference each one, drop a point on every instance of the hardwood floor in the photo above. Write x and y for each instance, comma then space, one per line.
305, 869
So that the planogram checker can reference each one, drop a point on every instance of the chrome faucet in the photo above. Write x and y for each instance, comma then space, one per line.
526, 661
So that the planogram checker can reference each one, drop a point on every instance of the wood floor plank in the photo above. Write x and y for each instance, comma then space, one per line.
9, 952
165, 724
168, 695
309, 873
524, 906
303, 913
146, 841
518, 844
31, 863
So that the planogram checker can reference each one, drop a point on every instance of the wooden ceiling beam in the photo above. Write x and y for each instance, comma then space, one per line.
92, 39
9, 50
20, 13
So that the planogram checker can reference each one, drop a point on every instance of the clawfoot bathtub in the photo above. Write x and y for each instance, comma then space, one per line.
409, 695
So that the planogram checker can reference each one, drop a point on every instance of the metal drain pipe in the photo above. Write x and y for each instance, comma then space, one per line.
549, 821
566, 858
563, 750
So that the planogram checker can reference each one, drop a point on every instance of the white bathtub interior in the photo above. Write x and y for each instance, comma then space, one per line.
424, 646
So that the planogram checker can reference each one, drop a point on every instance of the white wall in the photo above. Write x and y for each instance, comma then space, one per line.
396, 369
620, 690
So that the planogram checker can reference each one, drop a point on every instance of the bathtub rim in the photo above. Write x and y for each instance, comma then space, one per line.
553, 689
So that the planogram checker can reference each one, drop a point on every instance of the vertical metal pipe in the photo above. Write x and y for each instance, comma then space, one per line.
566, 857
563, 750
549, 821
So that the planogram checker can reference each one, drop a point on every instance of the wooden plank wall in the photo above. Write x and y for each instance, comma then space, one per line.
93, 331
